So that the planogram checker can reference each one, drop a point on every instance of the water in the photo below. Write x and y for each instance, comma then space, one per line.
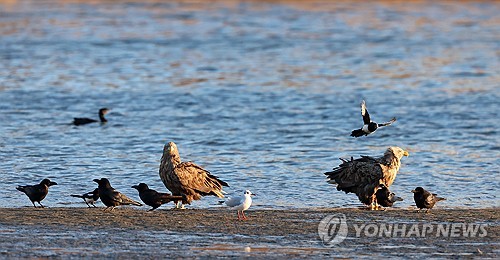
262, 94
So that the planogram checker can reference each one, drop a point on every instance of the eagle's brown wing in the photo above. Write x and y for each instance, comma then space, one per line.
193, 177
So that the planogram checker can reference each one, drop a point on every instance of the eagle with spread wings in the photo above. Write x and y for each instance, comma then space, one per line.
187, 179
363, 176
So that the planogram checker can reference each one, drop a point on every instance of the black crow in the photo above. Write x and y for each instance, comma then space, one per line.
385, 197
83, 121
424, 199
153, 198
89, 197
369, 126
37, 192
111, 197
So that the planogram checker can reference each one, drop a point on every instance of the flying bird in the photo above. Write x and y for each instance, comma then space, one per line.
90, 197
363, 176
240, 203
111, 197
84, 120
369, 126
424, 199
186, 178
385, 197
153, 198
38, 192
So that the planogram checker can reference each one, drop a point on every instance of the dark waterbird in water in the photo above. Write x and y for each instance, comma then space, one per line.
363, 176
385, 197
36, 193
111, 197
153, 198
84, 121
186, 178
89, 197
369, 126
424, 199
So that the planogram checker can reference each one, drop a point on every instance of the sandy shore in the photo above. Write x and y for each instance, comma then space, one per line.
135, 233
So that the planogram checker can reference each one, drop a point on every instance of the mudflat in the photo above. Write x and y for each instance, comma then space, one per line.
136, 233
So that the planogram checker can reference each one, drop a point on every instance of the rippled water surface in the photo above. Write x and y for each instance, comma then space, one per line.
262, 94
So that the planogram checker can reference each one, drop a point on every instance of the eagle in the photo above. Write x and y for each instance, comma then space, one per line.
186, 178
363, 176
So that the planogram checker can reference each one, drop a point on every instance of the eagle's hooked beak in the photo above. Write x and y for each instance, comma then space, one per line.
413, 191
406, 153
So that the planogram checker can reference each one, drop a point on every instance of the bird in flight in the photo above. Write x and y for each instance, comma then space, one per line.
369, 125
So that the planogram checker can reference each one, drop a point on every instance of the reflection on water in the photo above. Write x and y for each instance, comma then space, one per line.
262, 94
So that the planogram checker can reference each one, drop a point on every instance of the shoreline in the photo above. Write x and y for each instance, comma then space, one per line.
131, 232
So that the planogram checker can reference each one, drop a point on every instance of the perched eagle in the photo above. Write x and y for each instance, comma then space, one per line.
186, 178
364, 175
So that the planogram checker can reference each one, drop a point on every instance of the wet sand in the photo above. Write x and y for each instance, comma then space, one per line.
135, 233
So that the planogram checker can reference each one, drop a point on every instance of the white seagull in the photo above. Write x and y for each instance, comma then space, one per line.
240, 203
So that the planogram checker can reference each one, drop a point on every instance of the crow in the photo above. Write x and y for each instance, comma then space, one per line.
153, 198
111, 197
385, 197
37, 192
424, 199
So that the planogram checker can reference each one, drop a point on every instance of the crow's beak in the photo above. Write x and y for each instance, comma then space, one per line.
96, 180
52, 183
135, 187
